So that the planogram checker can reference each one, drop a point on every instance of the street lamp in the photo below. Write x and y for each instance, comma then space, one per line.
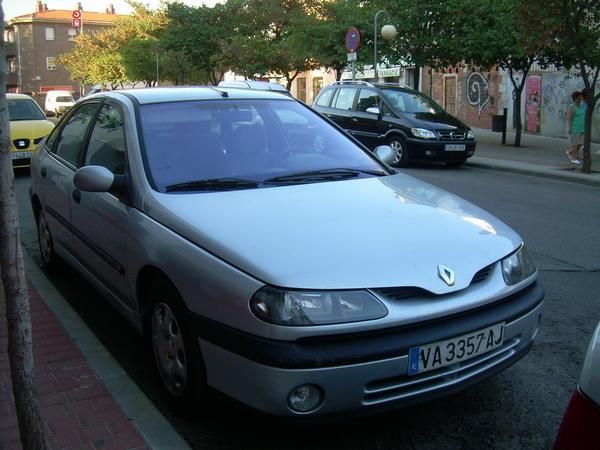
388, 32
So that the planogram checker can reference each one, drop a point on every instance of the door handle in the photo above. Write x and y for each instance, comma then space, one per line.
354, 118
76, 194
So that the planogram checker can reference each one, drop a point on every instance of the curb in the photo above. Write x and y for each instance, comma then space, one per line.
522, 168
143, 415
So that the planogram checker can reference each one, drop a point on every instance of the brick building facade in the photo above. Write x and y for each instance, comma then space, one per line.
34, 42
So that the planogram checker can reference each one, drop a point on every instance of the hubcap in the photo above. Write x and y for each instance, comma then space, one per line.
44, 238
397, 147
169, 349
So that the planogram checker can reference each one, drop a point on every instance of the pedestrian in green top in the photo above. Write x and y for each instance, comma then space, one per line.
575, 126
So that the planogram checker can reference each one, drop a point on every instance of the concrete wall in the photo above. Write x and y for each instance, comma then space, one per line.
555, 97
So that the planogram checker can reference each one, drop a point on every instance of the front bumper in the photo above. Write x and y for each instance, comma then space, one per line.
434, 150
366, 371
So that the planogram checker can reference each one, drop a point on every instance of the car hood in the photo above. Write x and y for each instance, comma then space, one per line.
439, 120
29, 129
362, 233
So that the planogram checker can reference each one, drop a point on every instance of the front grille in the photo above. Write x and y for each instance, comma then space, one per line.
451, 135
482, 274
21, 143
399, 293
404, 387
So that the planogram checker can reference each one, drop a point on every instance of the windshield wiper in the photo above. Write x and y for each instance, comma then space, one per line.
323, 175
214, 184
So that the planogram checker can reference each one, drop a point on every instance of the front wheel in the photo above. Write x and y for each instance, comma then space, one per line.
176, 354
400, 151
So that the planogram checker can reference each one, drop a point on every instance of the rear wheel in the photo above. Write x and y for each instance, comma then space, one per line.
176, 353
49, 257
399, 146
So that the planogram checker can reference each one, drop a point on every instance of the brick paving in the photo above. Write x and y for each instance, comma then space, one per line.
77, 410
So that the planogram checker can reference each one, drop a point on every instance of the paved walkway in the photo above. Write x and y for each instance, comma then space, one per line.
78, 410
88, 401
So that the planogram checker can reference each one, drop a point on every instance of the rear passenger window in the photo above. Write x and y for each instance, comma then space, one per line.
325, 97
345, 98
71, 136
367, 99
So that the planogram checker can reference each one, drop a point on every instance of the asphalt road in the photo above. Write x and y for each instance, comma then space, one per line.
519, 409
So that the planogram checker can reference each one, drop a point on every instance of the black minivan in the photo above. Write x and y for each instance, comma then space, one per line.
416, 127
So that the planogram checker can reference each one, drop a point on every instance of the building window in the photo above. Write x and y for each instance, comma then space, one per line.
72, 34
317, 86
9, 36
51, 63
12, 65
301, 89
49, 33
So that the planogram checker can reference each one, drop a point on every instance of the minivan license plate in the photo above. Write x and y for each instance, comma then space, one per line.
444, 353
455, 147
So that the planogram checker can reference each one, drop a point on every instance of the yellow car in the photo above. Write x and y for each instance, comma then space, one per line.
28, 127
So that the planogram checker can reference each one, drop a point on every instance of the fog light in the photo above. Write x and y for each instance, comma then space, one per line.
429, 153
305, 398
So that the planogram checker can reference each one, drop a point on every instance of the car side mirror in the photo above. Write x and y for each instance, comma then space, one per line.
50, 114
94, 179
385, 153
373, 110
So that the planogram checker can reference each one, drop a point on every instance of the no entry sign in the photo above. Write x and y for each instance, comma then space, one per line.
352, 39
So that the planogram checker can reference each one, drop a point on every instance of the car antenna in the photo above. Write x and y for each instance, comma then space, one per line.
223, 93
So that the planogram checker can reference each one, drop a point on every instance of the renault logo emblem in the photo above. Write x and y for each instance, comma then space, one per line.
446, 274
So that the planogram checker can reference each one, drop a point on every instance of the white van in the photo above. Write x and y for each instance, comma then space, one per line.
59, 101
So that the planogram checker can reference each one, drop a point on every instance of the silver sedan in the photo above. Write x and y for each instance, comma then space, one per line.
267, 254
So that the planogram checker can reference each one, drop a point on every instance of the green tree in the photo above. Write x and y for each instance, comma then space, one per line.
425, 29
508, 33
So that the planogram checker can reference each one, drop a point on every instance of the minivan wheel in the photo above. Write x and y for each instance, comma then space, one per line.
399, 147
176, 354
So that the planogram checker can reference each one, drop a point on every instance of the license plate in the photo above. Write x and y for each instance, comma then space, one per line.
20, 155
444, 353
455, 147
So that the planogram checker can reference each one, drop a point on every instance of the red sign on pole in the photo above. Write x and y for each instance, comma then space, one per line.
76, 14
352, 39
76, 23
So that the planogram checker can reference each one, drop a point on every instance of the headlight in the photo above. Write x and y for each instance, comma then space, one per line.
517, 267
305, 308
470, 135
423, 133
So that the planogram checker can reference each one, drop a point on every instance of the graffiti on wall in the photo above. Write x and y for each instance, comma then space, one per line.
478, 91
555, 96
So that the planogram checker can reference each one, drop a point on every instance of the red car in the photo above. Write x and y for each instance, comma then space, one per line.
580, 427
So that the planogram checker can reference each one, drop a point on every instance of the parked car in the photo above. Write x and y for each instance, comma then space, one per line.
28, 127
268, 255
415, 126
59, 102
253, 84
581, 423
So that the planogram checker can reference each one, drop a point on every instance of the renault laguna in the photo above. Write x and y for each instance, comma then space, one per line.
267, 254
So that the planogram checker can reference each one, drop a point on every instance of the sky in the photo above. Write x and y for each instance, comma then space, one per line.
13, 8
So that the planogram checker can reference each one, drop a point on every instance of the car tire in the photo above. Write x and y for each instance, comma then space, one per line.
50, 260
400, 150
177, 357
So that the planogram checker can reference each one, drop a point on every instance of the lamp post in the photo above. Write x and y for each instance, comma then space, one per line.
388, 32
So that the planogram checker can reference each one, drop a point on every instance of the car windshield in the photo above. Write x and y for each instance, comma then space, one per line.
411, 102
65, 99
23, 109
245, 144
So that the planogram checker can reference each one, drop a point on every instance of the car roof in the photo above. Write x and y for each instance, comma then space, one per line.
253, 84
177, 94
15, 96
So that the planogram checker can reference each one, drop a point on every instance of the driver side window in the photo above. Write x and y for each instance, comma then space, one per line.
107, 142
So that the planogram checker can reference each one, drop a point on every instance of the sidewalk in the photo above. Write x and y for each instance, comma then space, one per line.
538, 155
87, 401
